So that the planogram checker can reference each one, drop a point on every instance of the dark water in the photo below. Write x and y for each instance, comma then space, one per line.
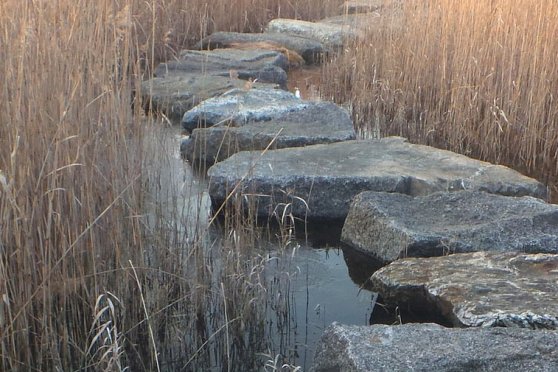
327, 283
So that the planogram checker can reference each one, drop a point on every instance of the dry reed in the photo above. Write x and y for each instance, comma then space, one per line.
476, 77
99, 266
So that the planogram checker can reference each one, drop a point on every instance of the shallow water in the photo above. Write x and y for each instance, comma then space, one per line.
325, 281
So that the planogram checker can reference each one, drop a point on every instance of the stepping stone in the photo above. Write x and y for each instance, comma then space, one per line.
320, 181
361, 6
266, 66
317, 122
331, 35
476, 289
240, 106
430, 347
174, 95
362, 23
312, 51
392, 226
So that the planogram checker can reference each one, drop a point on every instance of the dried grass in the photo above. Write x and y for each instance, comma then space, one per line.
82, 195
476, 77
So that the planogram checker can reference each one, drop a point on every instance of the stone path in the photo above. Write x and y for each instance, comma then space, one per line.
284, 154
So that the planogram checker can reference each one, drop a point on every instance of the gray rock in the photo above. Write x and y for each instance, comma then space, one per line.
318, 122
320, 181
477, 289
174, 95
242, 106
392, 226
312, 51
361, 6
363, 23
267, 66
430, 347
331, 35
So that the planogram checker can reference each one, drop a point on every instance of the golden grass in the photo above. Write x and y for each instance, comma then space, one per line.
476, 77
91, 260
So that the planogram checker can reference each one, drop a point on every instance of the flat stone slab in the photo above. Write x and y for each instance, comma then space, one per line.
240, 106
392, 226
318, 122
331, 35
361, 6
430, 347
174, 95
320, 181
477, 289
312, 51
266, 66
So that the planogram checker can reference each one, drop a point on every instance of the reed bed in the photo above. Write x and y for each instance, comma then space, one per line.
475, 77
104, 265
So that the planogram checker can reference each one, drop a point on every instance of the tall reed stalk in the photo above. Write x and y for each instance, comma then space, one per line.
477, 77
103, 265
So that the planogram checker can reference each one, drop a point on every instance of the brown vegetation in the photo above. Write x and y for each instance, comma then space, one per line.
476, 77
96, 266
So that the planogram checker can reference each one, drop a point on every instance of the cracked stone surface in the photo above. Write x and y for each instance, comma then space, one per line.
430, 347
477, 289
318, 122
320, 181
392, 226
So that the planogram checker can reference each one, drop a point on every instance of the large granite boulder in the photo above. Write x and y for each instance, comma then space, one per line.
392, 226
266, 66
320, 181
240, 107
430, 347
318, 122
312, 51
332, 35
476, 289
174, 95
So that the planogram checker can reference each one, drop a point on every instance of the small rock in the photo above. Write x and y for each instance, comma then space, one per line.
317, 122
392, 226
430, 347
312, 51
476, 289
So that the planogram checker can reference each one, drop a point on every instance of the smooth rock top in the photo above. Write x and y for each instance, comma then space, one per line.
328, 177
174, 95
265, 65
331, 35
361, 6
391, 226
242, 106
477, 289
318, 122
311, 50
430, 347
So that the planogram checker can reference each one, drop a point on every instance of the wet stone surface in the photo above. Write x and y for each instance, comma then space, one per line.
392, 226
430, 347
477, 289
